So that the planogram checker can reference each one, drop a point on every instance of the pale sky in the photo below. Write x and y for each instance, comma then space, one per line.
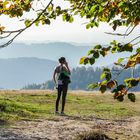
69, 32
66, 32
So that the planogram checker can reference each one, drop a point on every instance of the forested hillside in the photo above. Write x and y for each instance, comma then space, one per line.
81, 77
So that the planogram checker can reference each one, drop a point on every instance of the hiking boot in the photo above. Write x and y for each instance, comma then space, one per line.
62, 114
57, 113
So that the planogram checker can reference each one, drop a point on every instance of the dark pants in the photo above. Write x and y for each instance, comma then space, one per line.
62, 89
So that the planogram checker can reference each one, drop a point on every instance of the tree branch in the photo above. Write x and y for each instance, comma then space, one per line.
23, 29
134, 39
5, 36
136, 43
122, 34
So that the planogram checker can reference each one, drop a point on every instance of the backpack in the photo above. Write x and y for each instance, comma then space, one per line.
64, 76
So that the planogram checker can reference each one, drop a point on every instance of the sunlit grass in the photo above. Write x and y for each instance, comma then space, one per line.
17, 105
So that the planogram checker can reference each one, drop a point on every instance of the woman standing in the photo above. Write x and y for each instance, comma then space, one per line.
61, 78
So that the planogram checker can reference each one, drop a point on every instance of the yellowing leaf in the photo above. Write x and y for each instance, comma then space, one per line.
130, 64
110, 84
2, 28
138, 59
82, 60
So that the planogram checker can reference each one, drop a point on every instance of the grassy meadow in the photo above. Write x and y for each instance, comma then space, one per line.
37, 104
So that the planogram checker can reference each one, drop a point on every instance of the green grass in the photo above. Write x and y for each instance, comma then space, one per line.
103, 106
16, 105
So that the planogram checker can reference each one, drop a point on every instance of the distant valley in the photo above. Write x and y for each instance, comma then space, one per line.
17, 72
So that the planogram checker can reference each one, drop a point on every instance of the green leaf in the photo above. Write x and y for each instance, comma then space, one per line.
88, 15
131, 97
90, 52
88, 25
131, 82
114, 26
47, 21
114, 91
96, 54
92, 60
138, 50
68, 17
103, 75
106, 69
64, 17
104, 82
120, 60
37, 23
108, 76
128, 47
71, 19
103, 53
76, 12
50, 8
103, 88
96, 24
93, 8
120, 98
82, 14
92, 86
114, 42
58, 8
121, 87
27, 23
86, 61
115, 49
98, 47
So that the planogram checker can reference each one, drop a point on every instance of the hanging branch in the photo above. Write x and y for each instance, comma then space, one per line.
134, 39
23, 29
118, 34
136, 43
6, 36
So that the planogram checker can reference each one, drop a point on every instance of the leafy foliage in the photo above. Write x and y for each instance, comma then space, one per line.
116, 12
110, 82
43, 13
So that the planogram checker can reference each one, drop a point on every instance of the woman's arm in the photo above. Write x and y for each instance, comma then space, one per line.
54, 78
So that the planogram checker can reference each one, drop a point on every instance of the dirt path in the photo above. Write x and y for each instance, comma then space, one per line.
68, 127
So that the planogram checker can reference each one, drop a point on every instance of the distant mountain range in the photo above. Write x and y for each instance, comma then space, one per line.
17, 72
53, 50
22, 64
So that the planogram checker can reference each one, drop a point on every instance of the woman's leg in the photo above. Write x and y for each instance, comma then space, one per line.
65, 88
59, 91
